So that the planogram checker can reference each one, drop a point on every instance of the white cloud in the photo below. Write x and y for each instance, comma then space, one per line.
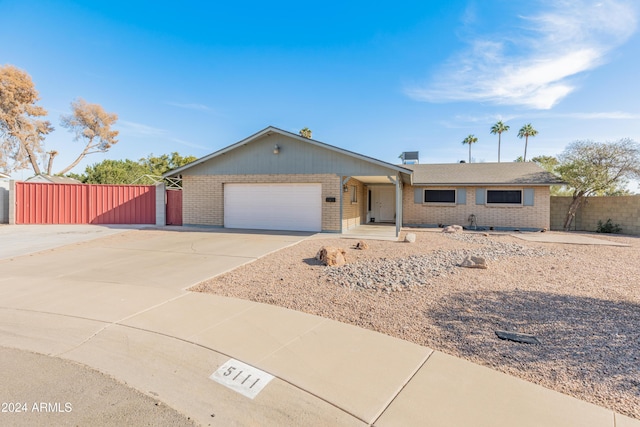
606, 115
190, 144
192, 106
568, 38
145, 131
139, 129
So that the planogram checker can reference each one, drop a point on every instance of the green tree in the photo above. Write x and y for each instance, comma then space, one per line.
525, 132
93, 125
146, 171
550, 164
158, 165
114, 172
21, 128
498, 128
597, 168
471, 139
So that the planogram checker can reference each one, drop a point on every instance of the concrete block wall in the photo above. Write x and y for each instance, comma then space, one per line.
622, 210
203, 196
353, 214
536, 216
558, 212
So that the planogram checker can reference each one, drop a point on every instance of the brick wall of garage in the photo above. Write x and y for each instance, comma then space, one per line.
536, 216
203, 196
353, 214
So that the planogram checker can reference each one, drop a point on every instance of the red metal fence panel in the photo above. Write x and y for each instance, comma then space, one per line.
42, 203
174, 207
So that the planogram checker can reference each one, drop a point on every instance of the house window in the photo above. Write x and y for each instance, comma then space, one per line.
354, 194
504, 197
439, 196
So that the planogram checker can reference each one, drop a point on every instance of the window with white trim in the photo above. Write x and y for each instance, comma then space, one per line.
354, 194
504, 197
440, 196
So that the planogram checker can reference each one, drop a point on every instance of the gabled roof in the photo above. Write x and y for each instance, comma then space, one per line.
54, 179
270, 130
479, 174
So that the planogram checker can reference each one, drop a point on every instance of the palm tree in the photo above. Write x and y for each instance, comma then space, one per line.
525, 132
471, 139
499, 128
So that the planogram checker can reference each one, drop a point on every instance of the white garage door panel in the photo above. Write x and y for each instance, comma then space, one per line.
273, 206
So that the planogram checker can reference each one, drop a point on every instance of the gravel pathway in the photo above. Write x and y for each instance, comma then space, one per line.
581, 302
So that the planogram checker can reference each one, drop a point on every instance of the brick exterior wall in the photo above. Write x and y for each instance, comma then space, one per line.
353, 214
622, 210
536, 216
203, 196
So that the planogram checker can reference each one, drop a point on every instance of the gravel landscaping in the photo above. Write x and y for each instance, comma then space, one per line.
581, 302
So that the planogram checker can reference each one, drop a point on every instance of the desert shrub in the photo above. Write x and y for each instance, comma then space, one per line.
608, 227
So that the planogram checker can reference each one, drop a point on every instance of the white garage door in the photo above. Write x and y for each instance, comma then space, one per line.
273, 206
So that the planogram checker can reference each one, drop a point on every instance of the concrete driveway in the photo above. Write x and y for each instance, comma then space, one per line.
16, 240
118, 304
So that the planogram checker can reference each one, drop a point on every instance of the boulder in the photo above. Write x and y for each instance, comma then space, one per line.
452, 229
331, 256
474, 262
410, 238
361, 245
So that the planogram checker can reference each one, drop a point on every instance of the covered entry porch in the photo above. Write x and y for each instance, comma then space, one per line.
372, 200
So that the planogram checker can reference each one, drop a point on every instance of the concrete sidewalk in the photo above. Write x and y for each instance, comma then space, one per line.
569, 238
118, 304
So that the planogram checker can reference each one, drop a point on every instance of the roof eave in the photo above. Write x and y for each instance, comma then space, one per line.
484, 184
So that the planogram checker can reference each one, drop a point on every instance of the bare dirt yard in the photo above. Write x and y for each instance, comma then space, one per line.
581, 302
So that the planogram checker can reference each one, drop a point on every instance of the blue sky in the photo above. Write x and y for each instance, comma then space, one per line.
377, 78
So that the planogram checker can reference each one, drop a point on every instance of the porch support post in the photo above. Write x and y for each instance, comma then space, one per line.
398, 204
343, 182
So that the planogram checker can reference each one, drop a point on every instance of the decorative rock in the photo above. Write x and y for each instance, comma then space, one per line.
331, 256
474, 262
452, 229
410, 238
361, 245
381, 274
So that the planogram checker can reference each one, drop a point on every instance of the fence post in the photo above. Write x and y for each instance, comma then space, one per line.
161, 207
12, 202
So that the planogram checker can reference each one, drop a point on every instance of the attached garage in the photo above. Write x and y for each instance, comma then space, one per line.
295, 207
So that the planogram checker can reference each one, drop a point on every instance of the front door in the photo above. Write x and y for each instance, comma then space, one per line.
384, 204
